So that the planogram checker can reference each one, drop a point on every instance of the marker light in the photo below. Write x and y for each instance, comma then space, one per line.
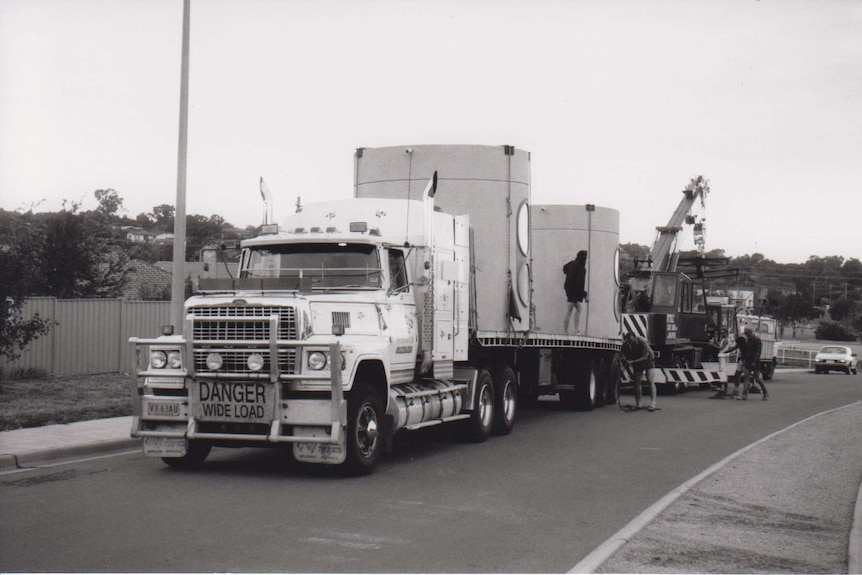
255, 362
214, 361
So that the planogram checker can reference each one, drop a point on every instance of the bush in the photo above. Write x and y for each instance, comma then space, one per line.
835, 331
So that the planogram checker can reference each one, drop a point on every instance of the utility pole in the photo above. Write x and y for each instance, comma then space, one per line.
178, 267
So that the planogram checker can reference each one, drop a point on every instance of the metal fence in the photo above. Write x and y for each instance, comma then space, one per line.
90, 336
795, 356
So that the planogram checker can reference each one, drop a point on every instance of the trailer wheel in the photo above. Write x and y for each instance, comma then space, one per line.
615, 376
582, 378
364, 433
478, 427
603, 382
196, 453
505, 401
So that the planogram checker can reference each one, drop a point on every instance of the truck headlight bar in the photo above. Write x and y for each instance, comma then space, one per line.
166, 358
319, 360
158, 359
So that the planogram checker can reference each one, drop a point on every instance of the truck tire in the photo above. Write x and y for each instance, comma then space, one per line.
583, 396
364, 433
478, 427
586, 387
603, 381
505, 401
768, 370
196, 453
615, 376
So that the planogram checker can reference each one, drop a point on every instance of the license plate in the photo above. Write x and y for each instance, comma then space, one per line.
164, 446
244, 402
157, 409
331, 453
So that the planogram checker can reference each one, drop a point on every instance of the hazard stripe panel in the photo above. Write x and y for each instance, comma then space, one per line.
635, 323
679, 375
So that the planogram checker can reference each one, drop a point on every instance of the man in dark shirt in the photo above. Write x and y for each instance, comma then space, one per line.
637, 353
751, 365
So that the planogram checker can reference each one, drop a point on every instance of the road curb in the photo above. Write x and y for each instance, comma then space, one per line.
57, 455
854, 552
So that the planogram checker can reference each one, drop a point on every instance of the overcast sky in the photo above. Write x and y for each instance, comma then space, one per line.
619, 102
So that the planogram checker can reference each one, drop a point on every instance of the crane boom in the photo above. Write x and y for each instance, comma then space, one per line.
663, 254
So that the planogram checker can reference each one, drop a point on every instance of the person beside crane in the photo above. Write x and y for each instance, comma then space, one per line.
637, 353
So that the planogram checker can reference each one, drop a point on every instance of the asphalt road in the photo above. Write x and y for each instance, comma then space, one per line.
538, 500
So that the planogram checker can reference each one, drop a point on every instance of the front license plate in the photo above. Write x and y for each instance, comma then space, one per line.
164, 446
156, 409
331, 453
244, 402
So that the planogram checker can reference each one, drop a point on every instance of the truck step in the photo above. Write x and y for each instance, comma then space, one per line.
431, 422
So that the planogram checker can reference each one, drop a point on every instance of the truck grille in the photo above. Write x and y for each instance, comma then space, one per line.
215, 323
240, 324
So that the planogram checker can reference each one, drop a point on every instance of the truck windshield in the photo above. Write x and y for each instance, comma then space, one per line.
326, 265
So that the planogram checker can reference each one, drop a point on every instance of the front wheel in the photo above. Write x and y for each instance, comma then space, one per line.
364, 433
196, 453
478, 427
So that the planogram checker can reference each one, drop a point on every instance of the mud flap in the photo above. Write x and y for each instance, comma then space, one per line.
314, 452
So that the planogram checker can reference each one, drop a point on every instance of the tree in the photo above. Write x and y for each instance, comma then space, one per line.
16, 333
109, 200
790, 310
163, 217
843, 309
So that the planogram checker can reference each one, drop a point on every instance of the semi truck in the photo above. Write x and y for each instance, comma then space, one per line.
433, 296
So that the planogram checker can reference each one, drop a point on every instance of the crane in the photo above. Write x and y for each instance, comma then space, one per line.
664, 254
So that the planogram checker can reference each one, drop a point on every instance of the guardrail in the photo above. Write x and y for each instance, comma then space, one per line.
791, 355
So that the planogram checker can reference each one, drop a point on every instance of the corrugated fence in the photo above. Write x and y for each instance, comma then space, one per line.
91, 335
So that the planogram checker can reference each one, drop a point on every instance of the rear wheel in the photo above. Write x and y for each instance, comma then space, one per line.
505, 401
478, 427
196, 453
586, 386
614, 379
364, 431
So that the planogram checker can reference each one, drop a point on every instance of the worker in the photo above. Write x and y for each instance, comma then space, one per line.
724, 348
576, 276
751, 366
637, 353
740, 347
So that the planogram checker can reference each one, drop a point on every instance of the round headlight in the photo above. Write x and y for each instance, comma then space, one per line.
175, 360
214, 362
316, 360
255, 362
158, 359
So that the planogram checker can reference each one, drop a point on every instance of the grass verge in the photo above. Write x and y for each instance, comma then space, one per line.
50, 400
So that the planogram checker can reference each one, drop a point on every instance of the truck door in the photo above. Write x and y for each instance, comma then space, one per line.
403, 323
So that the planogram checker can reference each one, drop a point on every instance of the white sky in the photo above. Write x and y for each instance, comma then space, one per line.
620, 103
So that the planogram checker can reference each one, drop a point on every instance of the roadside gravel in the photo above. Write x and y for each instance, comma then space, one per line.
757, 514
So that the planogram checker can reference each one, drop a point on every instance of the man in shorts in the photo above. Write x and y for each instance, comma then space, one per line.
637, 353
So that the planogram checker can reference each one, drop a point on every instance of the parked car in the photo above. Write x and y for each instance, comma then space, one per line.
837, 357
